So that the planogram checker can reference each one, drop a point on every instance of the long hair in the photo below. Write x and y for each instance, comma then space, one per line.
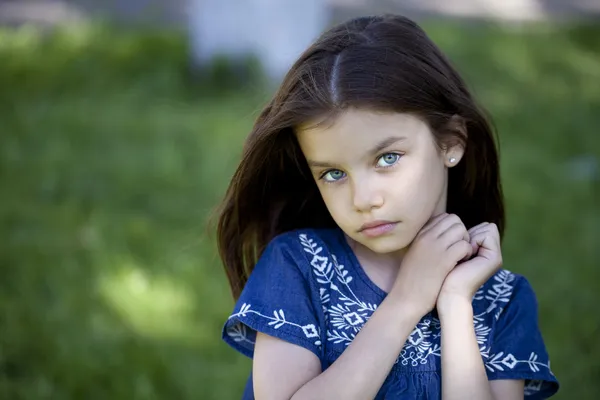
383, 63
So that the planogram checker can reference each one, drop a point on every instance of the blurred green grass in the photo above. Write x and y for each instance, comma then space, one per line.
113, 154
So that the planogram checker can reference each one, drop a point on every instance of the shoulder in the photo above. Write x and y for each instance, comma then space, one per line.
281, 297
506, 292
509, 334
502, 289
300, 247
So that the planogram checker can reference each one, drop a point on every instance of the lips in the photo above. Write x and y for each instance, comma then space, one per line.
377, 228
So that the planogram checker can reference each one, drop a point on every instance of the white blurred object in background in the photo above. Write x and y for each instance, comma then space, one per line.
276, 31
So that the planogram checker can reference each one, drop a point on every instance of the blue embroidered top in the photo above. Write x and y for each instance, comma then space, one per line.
309, 289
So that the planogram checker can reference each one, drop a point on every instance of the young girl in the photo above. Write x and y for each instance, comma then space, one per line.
361, 233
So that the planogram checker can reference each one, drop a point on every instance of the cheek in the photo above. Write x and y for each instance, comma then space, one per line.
417, 187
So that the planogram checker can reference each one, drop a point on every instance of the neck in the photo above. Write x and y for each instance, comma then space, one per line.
382, 268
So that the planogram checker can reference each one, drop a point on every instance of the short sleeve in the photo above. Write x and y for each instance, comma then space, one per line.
277, 301
518, 350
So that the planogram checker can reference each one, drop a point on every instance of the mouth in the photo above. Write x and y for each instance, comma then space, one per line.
377, 228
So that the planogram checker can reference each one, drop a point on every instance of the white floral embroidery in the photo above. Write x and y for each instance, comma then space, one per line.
346, 315
333, 275
500, 292
344, 318
532, 387
349, 317
239, 334
481, 332
500, 361
419, 346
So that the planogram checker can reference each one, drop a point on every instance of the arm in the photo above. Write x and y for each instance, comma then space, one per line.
357, 374
463, 372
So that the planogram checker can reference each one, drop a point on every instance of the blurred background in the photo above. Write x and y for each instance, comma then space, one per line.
121, 122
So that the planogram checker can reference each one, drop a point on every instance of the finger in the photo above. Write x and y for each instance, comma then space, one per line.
485, 239
445, 224
476, 241
495, 231
478, 227
459, 251
485, 227
433, 222
490, 228
478, 231
454, 233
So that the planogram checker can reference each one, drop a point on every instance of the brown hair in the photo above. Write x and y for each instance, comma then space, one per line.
384, 63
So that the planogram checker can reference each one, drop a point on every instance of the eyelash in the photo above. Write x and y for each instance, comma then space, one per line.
322, 176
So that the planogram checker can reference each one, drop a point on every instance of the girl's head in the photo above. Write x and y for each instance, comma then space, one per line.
371, 123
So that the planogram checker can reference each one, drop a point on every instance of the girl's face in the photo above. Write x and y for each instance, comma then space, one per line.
382, 169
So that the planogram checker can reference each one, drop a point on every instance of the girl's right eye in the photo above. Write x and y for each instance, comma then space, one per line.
333, 175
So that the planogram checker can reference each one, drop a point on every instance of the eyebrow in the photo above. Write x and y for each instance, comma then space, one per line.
376, 149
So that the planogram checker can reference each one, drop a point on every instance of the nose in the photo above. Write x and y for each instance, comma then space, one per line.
365, 196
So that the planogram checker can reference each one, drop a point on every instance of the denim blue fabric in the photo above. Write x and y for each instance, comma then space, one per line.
309, 289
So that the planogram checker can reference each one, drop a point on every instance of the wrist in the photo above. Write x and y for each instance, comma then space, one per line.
410, 310
449, 305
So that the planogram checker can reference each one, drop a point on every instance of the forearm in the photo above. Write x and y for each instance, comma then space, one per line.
463, 372
362, 368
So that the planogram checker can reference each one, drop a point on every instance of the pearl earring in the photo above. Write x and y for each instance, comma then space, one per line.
452, 160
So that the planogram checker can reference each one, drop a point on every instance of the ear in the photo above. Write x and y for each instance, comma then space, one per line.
455, 150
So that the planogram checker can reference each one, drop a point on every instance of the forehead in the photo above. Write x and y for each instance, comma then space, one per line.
357, 130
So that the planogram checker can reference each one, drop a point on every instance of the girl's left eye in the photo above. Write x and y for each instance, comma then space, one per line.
388, 159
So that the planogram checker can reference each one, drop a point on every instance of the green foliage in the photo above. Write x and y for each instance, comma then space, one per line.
113, 154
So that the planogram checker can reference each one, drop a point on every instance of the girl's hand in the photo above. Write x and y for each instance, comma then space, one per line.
467, 277
434, 252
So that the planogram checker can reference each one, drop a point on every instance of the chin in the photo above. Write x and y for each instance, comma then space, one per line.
385, 244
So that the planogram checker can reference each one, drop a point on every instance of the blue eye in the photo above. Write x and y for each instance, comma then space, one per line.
333, 175
388, 159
